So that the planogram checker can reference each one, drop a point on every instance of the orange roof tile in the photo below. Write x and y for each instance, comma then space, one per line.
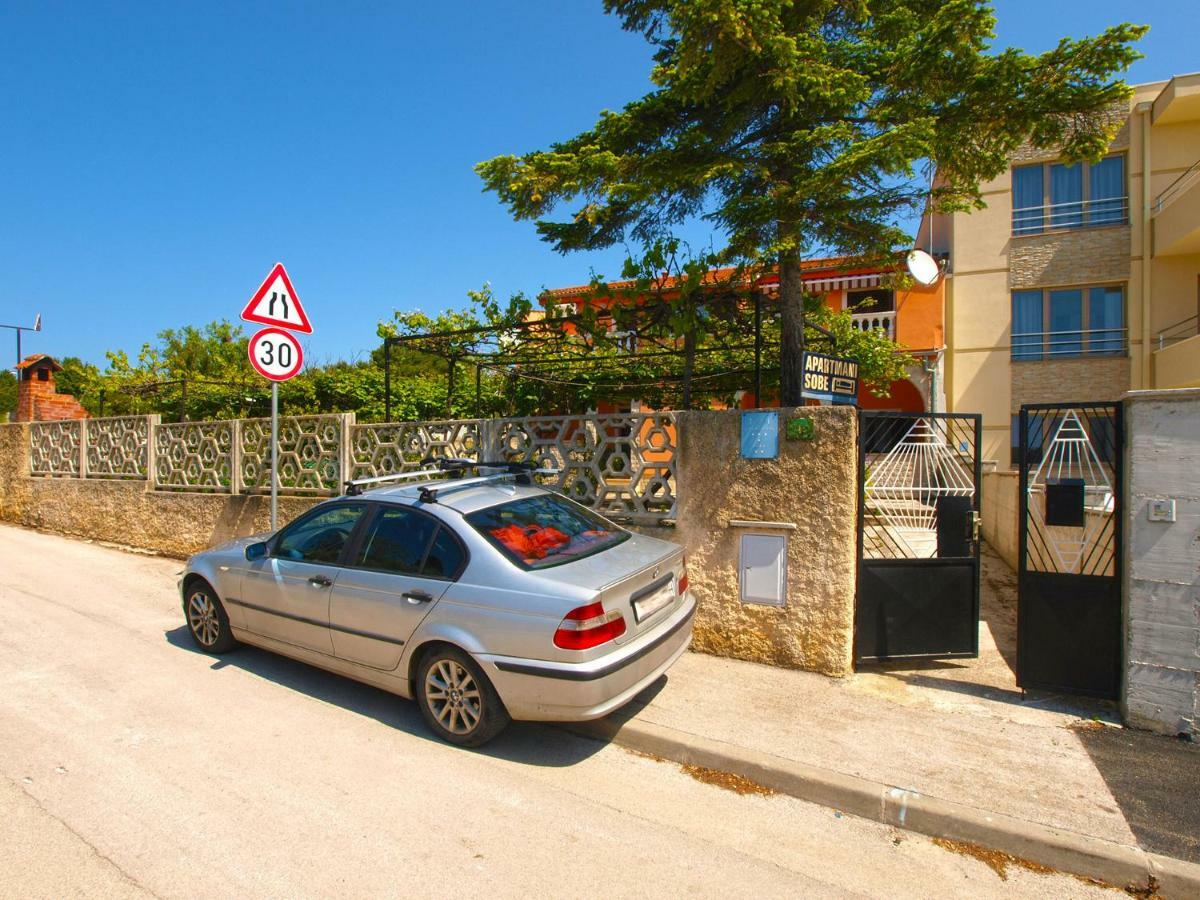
35, 358
833, 264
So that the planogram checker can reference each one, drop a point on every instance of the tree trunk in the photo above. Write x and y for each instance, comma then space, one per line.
450, 388
791, 312
689, 364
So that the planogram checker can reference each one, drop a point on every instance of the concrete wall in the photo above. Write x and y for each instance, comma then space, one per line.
1162, 570
125, 512
1000, 514
812, 485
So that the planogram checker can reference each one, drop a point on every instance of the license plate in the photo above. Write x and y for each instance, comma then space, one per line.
660, 599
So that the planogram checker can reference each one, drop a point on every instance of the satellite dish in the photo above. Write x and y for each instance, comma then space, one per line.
922, 267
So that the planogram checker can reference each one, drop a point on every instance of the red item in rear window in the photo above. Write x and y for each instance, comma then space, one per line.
530, 542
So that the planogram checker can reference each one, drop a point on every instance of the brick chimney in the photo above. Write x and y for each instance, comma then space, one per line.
37, 398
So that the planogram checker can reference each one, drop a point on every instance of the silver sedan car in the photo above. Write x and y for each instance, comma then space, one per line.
485, 598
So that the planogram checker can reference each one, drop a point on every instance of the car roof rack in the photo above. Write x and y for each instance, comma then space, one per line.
444, 467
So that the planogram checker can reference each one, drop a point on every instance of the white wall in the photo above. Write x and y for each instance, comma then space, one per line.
1162, 562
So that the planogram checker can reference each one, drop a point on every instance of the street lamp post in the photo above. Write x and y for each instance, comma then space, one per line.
36, 326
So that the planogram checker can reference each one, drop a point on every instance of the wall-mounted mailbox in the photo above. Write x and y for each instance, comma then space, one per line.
760, 434
762, 563
1064, 503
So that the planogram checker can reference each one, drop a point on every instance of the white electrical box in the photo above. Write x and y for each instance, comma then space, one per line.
762, 563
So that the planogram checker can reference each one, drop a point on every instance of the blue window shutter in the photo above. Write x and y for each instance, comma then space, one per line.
1066, 323
1106, 190
1028, 198
1106, 320
1027, 325
1066, 196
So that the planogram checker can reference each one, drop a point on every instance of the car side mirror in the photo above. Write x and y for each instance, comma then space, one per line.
256, 551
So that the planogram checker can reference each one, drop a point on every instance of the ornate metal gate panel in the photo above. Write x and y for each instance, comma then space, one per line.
918, 572
1069, 606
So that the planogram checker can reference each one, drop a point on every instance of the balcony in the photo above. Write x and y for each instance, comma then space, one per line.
875, 321
1177, 357
1050, 217
1047, 345
1176, 215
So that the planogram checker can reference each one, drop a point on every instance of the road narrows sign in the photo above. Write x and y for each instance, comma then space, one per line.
275, 303
275, 354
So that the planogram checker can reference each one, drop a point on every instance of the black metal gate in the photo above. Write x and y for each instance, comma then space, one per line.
918, 536
1069, 603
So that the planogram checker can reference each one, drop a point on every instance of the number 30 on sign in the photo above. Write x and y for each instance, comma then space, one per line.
275, 354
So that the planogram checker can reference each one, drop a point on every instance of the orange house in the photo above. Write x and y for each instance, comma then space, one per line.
914, 318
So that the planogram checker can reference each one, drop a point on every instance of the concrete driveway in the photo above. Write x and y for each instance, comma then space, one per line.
131, 765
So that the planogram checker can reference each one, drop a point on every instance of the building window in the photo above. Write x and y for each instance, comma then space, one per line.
1066, 322
876, 300
1101, 432
1055, 196
873, 310
1034, 441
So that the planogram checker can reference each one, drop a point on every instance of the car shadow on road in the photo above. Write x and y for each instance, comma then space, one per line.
527, 743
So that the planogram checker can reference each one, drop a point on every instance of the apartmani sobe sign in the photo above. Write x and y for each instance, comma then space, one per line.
830, 379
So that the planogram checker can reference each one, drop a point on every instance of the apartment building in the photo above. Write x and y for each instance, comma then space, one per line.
1078, 282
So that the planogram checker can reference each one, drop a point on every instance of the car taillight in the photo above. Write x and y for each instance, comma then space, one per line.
589, 626
683, 582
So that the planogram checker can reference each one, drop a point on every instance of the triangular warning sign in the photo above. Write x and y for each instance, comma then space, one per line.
276, 303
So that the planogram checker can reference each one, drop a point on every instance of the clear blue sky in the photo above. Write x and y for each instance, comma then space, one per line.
157, 158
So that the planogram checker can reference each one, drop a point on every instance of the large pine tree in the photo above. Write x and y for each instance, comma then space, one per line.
804, 126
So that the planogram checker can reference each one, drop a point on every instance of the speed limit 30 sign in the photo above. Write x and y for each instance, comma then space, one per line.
275, 354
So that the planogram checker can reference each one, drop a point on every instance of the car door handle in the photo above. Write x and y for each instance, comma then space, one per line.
417, 596
319, 581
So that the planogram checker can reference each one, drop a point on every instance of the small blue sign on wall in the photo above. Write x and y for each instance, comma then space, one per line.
760, 435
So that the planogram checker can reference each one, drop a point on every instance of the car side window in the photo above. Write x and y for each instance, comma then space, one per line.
445, 556
320, 537
397, 541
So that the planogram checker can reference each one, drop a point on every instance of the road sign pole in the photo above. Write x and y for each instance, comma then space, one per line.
274, 455
274, 351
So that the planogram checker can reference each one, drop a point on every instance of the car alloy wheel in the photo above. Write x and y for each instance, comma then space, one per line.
203, 619
206, 620
457, 700
453, 696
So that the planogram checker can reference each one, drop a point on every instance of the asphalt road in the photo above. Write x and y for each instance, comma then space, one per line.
132, 765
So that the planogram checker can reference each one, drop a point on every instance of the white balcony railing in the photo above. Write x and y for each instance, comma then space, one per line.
1176, 188
876, 321
1180, 331
1058, 344
1072, 214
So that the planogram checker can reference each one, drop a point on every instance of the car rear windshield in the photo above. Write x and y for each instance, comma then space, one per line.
547, 530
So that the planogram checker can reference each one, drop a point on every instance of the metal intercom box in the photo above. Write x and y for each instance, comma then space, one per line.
762, 564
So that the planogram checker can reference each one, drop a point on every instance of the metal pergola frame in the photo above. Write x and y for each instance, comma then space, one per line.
532, 366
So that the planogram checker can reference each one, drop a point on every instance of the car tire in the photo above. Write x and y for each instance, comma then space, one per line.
207, 621
457, 700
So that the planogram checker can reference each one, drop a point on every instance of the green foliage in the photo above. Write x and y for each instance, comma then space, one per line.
668, 293
802, 126
8, 392
427, 380
204, 372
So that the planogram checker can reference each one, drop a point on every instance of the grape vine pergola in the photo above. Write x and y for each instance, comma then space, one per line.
549, 349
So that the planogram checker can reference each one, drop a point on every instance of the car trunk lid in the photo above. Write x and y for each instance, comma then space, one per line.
645, 591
